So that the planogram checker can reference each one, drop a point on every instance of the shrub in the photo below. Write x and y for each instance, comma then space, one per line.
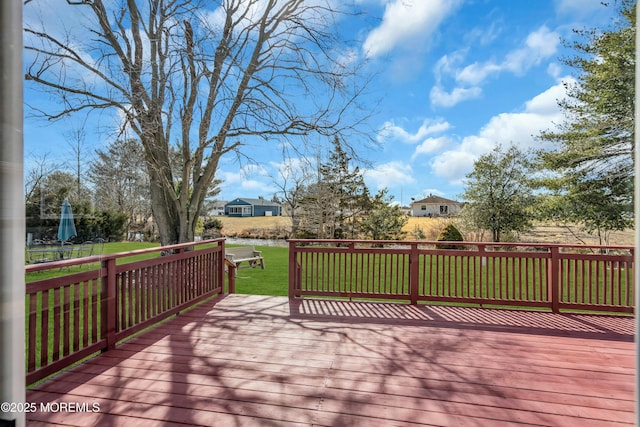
418, 233
450, 234
211, 228
214, 223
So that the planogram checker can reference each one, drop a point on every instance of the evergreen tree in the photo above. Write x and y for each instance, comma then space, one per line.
450, 234
44, 204
331, 208
384, 221
592, 163
121, 182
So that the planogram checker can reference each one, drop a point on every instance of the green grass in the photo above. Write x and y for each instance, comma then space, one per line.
107, 248
273, 280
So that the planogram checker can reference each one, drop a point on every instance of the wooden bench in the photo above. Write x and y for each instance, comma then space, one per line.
246, 254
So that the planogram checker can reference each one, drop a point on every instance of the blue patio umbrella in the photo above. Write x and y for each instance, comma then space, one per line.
67, 228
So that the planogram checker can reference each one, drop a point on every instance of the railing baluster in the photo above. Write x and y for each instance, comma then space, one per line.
31, 337
44, 329
513, 275
91, 310
85, 314
56, 323
76, 316
67, 326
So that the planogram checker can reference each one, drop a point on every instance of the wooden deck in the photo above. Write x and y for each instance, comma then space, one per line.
252, 360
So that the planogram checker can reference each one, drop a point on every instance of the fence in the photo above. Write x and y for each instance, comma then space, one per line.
75, 315
593, 278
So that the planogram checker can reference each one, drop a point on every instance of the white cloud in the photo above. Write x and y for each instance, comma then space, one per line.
251, 181
540, 113
477, 73
407, 21
554, 70
253, 170
293, 167
579, 8
428, 127
441, 98
484, 35
538, 46
448, 64
431, 145
546, 103
453, 165
257, 188
390, 175
69, 24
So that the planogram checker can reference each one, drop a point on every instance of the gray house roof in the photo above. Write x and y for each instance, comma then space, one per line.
248, 201
436, 200
219, 204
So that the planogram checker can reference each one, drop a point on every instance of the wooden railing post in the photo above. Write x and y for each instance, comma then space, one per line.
219, 273
553, 279
414, 267
292, 268
109, 303
231, 276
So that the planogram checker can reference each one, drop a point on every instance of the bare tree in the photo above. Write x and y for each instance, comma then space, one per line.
76, 138
38, 169
292, 180
205, 80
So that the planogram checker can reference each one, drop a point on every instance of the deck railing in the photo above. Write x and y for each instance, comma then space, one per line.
594, 278
75, 315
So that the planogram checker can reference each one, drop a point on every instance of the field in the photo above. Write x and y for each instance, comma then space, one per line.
278, 227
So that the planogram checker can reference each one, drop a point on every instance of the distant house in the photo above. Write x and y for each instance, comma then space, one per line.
433, 206
252, 207
217, 208
406, 210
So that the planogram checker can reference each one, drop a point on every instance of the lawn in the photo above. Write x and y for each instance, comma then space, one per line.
107, 248
273, 280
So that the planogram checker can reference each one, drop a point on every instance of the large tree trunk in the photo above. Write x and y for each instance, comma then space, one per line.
165, 213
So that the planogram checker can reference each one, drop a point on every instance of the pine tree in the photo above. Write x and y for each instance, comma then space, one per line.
592, 162
332, 207
384, 221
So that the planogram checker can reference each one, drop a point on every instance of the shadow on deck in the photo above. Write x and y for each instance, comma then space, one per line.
268, 361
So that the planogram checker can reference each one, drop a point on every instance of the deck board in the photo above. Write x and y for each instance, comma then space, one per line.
248, 360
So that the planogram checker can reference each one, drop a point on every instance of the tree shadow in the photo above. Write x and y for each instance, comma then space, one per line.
271, 361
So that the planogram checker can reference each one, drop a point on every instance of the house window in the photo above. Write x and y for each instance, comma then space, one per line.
444, 210
423, 207
241, 210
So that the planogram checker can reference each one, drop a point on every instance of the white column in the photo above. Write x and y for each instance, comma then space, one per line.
637, 217
12, 218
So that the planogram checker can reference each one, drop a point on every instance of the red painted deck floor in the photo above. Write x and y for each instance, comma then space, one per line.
251, 360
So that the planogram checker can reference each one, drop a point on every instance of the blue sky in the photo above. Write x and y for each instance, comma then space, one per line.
454, 78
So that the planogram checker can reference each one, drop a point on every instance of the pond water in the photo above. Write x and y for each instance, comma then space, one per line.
256, 242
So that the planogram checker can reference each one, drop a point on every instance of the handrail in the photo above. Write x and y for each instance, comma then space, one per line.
556, 276
99, 258
342, 242
76, 315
